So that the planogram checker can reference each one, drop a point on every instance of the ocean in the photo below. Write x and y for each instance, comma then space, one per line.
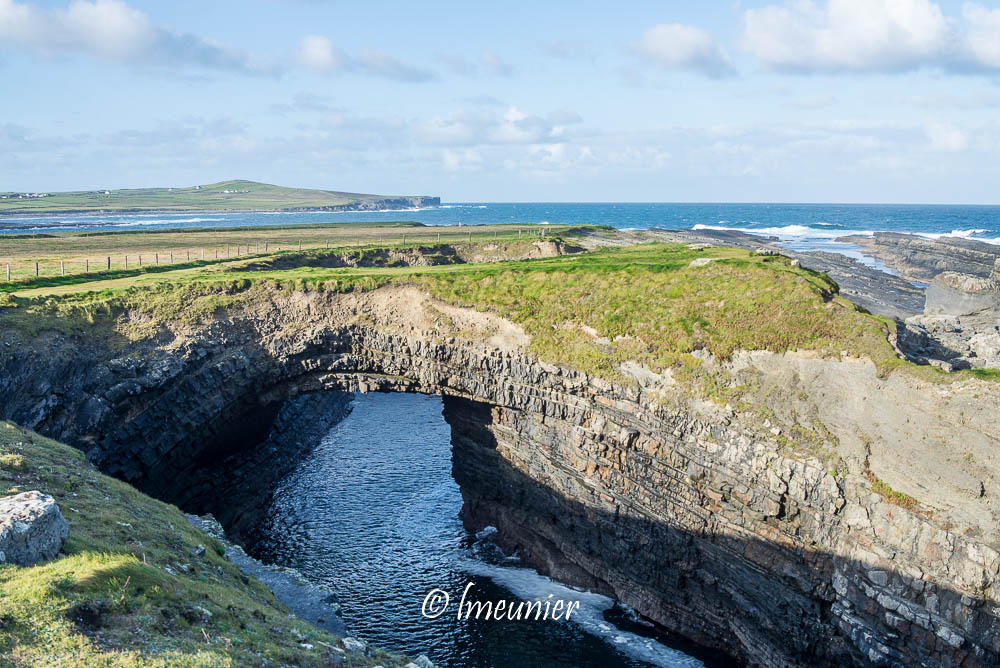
804, 225
372, 513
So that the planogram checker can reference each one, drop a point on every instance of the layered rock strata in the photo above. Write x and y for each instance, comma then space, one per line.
813, 524
917, 258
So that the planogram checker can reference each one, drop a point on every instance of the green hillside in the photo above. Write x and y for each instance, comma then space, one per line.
224, 196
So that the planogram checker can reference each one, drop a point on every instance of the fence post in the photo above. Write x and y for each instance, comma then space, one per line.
62, 268
519, 235
470, 237
140, 259
109, 262
189, 255
8, 272
86, 266
439, 236
36, 270
126, 263
404, 238
265, 246
202, 253
216, 253
156, 259
171, 258
300, 245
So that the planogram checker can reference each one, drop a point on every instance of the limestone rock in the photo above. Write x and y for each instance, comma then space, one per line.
32, 528
952, 293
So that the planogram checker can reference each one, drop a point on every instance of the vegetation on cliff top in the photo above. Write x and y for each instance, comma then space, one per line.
226, 196
590, 311
132, 590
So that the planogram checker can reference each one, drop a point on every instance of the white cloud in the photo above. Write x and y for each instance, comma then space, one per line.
871, 36
467, 160
494, 65
319, 53
676, 46
113, 30
379, 63
983, 39
945, 137
488, 61
482, 127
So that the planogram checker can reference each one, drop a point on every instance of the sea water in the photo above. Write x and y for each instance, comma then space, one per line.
815, 225
373, 514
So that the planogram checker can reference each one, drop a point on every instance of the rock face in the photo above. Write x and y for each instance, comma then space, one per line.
783, 538
952, 293
32, 528
960, 326
919, 259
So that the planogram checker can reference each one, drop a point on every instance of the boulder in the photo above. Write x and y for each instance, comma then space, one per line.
32, 528
951, 293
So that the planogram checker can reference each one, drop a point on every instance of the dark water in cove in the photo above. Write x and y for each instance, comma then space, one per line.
373, 514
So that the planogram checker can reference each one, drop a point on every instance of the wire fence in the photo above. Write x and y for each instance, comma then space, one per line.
115, 263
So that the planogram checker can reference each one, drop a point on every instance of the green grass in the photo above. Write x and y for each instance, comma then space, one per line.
70, 252
111, 600
645, 301
890, 495
242, 196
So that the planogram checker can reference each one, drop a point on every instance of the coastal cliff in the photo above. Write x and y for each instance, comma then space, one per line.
805, 521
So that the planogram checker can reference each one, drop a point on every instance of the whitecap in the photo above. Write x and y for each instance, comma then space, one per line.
788, 231
530, 586
961, 234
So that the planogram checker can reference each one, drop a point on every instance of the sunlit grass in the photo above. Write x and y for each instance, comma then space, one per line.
130, 590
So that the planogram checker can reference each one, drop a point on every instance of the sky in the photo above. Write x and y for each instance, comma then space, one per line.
783, 101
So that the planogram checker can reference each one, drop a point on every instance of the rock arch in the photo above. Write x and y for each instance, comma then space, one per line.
686, 512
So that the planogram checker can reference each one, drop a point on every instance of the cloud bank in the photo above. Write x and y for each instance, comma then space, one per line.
676, 46
886, 36
111, 30
319, 53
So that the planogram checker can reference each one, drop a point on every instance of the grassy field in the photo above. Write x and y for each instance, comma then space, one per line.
224, 196
131, 590
82, 253
591, 311
646, 303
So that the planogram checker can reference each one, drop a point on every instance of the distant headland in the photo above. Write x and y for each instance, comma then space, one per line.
224, 196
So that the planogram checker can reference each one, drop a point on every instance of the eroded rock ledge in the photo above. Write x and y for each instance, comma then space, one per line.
705, 518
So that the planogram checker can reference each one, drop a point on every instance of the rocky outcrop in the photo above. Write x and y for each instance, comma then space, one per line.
32, 528
917, 258
952, 293
960, 327
811, 523
309, 602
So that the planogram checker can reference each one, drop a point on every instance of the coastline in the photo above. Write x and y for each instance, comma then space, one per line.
143, 211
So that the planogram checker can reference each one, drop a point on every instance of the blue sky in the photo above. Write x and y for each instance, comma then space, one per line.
804, 101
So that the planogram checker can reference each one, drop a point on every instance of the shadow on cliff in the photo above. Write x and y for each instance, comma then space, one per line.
762, 601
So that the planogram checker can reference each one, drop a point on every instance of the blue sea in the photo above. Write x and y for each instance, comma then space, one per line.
798, 224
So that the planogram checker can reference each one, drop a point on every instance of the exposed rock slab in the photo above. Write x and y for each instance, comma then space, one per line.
952, 293
917, 258
32, 528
